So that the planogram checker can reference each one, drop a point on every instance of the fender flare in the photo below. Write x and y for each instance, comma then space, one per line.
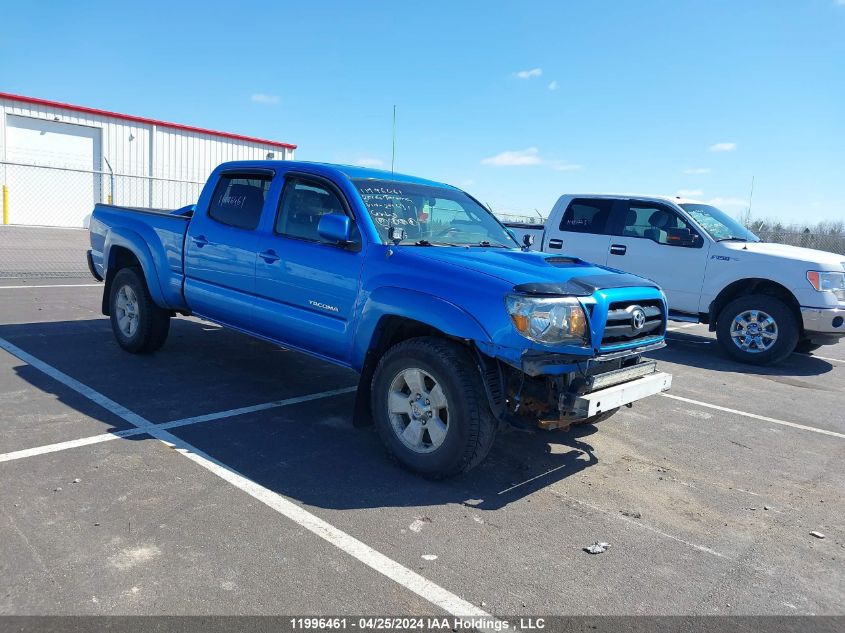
135, 244
392, 301
403, 303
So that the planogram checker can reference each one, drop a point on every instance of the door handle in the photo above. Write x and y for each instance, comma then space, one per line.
269, 256
555, 243
200, 241
618, 249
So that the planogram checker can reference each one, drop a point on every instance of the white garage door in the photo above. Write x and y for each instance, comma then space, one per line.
52, 197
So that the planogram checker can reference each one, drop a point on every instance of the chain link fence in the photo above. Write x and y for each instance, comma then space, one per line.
47, 209
831, 243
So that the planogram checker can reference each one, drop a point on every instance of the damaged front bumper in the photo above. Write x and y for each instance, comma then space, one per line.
553, 391
612, 397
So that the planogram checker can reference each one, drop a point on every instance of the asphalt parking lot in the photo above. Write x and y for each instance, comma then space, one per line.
222, 475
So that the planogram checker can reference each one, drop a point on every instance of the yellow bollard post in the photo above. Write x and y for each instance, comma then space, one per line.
5, 204
110, 200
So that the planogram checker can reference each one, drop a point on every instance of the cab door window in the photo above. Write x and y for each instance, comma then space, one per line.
303, 203
659, 224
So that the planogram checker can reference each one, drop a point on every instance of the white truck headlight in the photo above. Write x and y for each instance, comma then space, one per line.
828, 281
550, 320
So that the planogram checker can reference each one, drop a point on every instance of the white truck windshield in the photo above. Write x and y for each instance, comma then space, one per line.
718, 224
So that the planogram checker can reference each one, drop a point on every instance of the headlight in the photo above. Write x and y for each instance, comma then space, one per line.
548, 319
828, 282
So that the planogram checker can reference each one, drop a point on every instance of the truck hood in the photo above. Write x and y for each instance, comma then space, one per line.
785, 251
522, 268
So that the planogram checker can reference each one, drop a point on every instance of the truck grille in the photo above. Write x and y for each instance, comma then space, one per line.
631, 321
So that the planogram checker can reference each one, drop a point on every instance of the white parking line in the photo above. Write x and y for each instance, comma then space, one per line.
833, 360
754, 416
116, 435
63, 446
426, 589
52, 286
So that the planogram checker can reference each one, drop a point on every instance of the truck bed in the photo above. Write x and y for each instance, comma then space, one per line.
159, 232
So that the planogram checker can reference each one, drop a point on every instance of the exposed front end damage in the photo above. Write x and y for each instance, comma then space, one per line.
554, 391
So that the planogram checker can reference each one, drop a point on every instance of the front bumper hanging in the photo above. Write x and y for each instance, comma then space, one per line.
608, 398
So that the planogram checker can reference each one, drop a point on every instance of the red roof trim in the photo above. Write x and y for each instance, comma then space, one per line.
140, 119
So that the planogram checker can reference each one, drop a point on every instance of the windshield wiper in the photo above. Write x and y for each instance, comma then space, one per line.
734, 238
428, 243
487, 244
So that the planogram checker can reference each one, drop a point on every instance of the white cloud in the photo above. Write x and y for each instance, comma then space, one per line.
697, 170
528, 74
553, 84
528, 156
559, 165
260, 97
690, 193
369, 162
722, 147
729, 202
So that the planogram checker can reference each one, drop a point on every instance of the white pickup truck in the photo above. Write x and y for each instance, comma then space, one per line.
763, 300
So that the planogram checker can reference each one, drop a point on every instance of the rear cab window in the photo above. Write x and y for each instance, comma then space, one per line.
238, 199
586, 216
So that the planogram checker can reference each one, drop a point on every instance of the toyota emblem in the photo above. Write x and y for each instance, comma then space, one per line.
637, 318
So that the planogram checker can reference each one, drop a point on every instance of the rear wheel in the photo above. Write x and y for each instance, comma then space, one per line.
757, 329
429, 407
139, 325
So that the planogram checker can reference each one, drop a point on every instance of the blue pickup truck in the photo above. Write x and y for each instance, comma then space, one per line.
454, 327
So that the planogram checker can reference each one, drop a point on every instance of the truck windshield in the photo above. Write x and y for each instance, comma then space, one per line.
718, 224
431, 215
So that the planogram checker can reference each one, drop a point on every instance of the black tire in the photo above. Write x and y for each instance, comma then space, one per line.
784, 320
470, 426
805, 346
153, 322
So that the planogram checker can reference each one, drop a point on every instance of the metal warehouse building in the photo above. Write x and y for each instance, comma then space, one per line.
57, 160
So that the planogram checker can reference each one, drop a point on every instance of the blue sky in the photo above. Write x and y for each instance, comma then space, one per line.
516, 102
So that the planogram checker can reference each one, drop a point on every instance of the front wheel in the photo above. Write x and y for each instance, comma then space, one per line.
757, 329
139, 325
430, 409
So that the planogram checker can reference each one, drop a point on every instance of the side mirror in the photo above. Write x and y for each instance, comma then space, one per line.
681, 237
396, 234
335, 228
527, 241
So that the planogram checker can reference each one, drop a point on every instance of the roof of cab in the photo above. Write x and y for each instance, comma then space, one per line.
634, 196
353, 172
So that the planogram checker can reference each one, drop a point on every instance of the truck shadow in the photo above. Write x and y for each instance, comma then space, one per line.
309, 451
703, 352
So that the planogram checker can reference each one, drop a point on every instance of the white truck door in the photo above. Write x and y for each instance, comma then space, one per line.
582, 230
656, 242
